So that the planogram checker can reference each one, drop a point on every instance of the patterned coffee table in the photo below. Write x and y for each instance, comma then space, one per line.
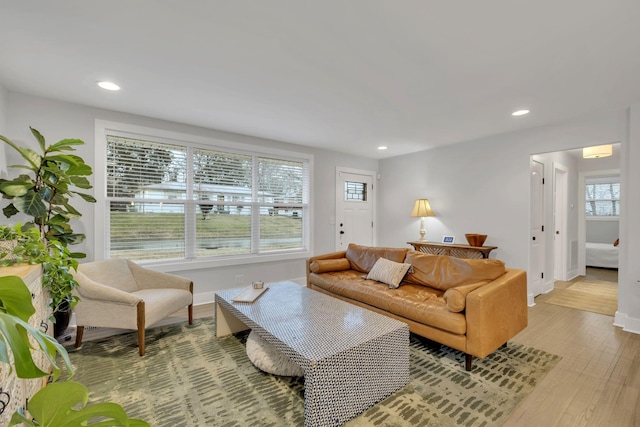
352, 358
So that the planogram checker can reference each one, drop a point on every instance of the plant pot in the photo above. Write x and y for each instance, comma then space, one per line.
63, 317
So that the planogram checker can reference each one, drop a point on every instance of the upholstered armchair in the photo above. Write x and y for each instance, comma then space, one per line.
117, 293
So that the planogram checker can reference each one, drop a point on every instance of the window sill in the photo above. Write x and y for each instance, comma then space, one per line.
603, 218
169, 266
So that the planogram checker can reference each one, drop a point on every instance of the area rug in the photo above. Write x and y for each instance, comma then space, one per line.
597, 296
188, 377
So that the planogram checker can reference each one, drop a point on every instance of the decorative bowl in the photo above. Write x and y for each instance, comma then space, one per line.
476, 239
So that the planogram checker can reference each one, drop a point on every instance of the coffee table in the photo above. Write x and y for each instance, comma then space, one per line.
352, 358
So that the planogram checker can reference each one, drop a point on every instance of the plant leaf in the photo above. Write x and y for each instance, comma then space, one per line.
10, 211
65, 145
16, 298
30, 204
80, 182
38, 137
29, 155
54, 406
16, 187
87, 197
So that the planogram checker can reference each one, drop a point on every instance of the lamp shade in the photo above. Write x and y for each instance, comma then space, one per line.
597, 151
422, 208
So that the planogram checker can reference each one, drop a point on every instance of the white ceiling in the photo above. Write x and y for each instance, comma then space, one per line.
343, 75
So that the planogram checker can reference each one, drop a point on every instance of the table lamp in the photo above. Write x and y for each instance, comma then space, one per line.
422, 209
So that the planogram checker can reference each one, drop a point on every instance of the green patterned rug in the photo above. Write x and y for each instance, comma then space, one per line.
190, 378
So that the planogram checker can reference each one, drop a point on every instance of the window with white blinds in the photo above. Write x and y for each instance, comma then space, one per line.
179, 201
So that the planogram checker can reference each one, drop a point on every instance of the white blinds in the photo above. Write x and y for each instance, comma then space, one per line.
175, 201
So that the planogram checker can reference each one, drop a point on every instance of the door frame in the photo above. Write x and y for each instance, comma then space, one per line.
372, 198
582, 216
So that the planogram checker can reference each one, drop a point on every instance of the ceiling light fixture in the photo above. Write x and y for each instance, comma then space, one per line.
108, 85
382, 147
597, 152
520, 113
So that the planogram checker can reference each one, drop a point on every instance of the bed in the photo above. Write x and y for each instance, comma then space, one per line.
602, 255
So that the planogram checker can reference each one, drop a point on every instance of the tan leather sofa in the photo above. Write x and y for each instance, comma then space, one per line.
472, 305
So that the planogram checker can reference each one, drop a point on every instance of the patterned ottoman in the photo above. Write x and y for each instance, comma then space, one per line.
352, 358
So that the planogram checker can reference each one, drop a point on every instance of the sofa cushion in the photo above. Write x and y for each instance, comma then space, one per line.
416, 302
443, 272
326, 265
388, 272
362, 258
456, 297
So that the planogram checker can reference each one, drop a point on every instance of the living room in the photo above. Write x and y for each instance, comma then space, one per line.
479, 184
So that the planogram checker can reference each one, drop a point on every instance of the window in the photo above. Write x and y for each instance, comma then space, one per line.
182, 200
355, 191
602, 196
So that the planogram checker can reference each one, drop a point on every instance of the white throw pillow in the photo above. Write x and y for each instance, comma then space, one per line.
388, 272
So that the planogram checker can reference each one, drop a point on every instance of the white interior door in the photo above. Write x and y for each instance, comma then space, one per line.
354, 208
560, 222
536, 252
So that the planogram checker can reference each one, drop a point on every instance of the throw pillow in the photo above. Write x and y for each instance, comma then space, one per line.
388, 272
327, 265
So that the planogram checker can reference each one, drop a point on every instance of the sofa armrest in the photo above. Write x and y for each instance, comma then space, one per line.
332, 255
496, 312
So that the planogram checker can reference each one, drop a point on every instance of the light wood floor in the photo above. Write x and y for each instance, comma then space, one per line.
597, 382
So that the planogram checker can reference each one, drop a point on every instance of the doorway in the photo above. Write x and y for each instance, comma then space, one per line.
355, 208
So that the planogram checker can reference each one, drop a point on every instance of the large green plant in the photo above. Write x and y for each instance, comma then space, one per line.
59, 404
44, 194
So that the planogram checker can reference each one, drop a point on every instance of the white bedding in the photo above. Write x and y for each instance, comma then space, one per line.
602, 255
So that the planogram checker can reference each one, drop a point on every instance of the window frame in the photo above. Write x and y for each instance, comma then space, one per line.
101, 228
595, 180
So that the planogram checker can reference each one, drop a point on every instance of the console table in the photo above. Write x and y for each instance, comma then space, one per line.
454, 250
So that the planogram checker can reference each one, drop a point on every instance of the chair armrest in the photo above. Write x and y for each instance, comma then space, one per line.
91, 290
496, 312
150, 279
332, 255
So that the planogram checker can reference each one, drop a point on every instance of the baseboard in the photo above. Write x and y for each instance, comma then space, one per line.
629, 324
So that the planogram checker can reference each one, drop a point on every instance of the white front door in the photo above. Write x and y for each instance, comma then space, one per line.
536, 233
354, 208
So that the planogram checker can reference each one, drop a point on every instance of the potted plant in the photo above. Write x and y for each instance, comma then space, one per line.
58, 404
44, 194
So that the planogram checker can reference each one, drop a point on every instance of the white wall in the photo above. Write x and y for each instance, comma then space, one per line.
482, 186
3, 128
57, 120
628, 315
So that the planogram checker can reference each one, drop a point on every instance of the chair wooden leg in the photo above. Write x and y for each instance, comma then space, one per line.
141, 320
79, 333
190, 308
468, 361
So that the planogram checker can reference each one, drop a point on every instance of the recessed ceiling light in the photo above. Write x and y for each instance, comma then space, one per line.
520, 113
108, 85
382, 147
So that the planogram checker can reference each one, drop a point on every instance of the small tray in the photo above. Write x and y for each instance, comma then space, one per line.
249, 295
